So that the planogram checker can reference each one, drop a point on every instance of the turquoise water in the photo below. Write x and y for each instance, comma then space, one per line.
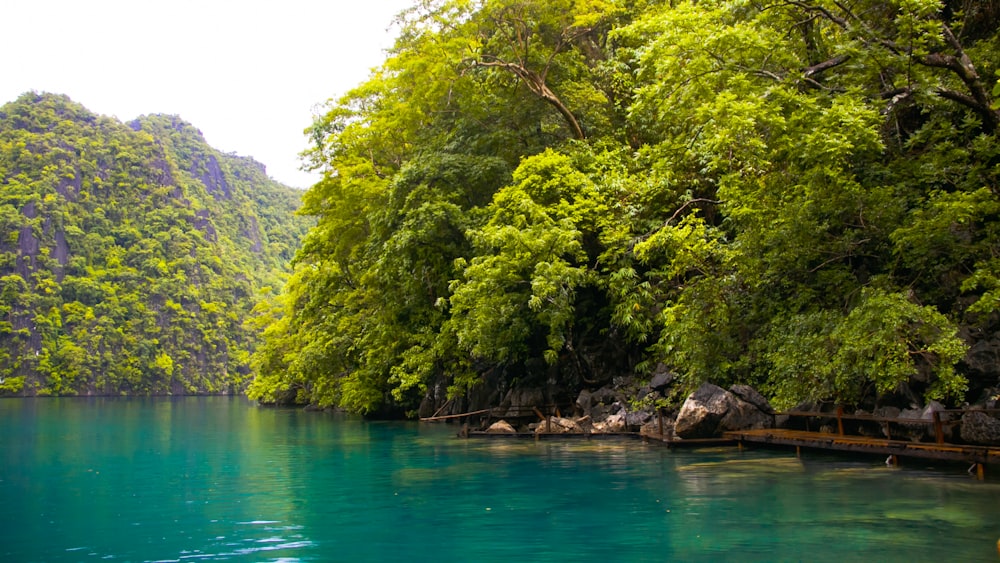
204, 479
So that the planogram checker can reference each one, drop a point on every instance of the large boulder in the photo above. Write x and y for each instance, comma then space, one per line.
501, 427
711, 410
702, 411
653, 427
613, 423
980, 428
558, 425
752, 396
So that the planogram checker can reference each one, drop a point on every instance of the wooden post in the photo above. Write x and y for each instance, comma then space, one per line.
938, 430
840, 420
798, 451
981, 473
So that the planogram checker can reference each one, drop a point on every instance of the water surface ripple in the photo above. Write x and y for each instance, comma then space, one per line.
218, 479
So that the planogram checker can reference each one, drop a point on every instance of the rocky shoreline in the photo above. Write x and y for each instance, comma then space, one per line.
710, 411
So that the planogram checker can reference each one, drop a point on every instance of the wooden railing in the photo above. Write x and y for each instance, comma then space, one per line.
887, 422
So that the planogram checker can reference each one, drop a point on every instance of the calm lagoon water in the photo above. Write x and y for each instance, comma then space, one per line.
205, 479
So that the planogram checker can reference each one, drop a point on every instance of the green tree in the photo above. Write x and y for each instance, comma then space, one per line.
796, 195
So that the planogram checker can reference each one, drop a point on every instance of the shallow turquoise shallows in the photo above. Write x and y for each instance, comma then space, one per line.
202, 479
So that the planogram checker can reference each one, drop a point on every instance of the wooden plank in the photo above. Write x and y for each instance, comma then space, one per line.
437, 412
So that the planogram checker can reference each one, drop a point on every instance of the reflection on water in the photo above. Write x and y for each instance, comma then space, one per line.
204, 479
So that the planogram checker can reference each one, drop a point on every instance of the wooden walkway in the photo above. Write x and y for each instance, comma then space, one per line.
978, 455
840, 440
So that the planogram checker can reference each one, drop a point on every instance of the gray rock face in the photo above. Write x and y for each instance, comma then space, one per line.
913, 432
992, 397
661, 379
752, 396
980, 428
638, 418
711, 410
501, 427
604, 396
982, 361
928, 412
746, 416
886, 412
925, 432
520, 401
426, 408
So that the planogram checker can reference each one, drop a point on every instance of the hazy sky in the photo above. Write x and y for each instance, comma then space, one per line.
248, 73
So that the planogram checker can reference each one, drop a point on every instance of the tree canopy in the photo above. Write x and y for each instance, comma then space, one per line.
801, 196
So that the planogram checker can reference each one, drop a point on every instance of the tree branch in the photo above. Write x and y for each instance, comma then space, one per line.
825, 65
961, 65
536, 84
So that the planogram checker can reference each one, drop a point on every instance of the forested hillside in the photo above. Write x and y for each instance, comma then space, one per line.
803, 196
131, 254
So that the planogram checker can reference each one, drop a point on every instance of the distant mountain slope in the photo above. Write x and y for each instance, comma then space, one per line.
130, 254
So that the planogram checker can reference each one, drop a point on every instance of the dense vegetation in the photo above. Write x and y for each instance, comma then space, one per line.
131, 255
798, 195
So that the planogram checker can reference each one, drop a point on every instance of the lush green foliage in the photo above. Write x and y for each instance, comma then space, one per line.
131, 254
797, 195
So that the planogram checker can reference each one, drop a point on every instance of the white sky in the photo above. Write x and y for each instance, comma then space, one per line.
249, 73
